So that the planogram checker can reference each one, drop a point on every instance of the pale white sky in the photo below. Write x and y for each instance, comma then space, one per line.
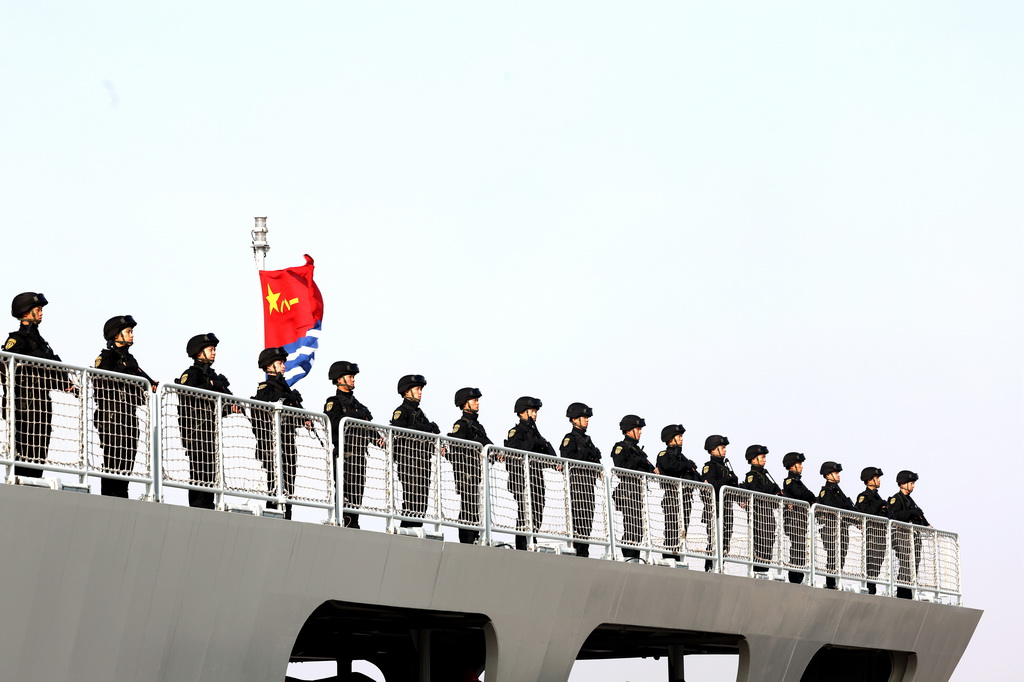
797, 225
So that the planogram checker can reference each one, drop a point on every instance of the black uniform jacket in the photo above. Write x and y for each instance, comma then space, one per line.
27, 341
341, 405
201, 375
760, 481
794, 487
717, 473
275, 389
119, 359
410, 416
579, 446
870, 502
831, 495
468, 427
627, 454
672, 462
903, 508
525, 436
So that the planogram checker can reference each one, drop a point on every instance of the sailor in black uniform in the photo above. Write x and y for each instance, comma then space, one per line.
672, 462
758, 480
795, 517
831, 495
903, 508
628, 495
276, 390
578, 446
870, 502
197, 416
345, 404
413, 455
116, 419
466, 462
33, 409
718, 472
525, 436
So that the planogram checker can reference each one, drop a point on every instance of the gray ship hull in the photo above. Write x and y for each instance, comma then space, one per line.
110, 589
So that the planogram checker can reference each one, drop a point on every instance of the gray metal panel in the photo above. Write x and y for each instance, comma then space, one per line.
102, 588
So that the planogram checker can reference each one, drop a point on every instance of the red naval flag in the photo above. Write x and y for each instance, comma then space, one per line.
292, 312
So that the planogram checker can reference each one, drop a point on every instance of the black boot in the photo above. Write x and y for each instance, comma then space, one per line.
830, 584
904, 593
351, 520
521, 542
872, 589
796, 578
630, 553
200, 499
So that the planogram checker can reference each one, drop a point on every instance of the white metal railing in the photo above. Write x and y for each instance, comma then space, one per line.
246, 449
89, 423
661, 514
760, 531
75, 420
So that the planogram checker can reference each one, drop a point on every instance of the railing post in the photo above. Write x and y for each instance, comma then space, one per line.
485, 469
278, 458
155, 489
608, 502
339, 480
645, 519
12, 454
719, 527
84, 441
389, 479
218, 458
569, 530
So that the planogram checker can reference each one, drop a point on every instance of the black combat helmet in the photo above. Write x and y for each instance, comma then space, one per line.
527, 403
116, 325
671, 431
905, 476
576, 410
464, 395
341, 369
410, 381
198, 342
791, 458
869, 473
713, 442
829, 467
755, 451
269, 356
25, 302
630, 422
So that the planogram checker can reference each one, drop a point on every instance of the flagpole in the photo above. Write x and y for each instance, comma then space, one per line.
259, 243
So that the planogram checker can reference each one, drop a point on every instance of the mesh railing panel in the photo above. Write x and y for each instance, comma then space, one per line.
231, 444
365, 466
461, 483
588, 502
631, 514
906, 553
528, 493
948, 556
119, 439
756, 529
47, 413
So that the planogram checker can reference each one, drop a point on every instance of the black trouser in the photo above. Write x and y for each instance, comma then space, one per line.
581, 494
835, 556
264, 433
33, 411
670, 510
354, 474
467, 484
874, 550
764, 533
901, 538
118, 426
795, 526
412, 460
726, 515
200, 439
628, 497
538, 490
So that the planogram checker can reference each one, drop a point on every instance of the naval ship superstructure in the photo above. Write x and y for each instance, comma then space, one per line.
105, 588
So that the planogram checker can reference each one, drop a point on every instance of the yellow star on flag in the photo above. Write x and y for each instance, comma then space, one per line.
272, 301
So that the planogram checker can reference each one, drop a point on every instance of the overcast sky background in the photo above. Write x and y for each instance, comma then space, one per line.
797, 225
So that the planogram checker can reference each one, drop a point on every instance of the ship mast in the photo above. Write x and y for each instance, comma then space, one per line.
260, 247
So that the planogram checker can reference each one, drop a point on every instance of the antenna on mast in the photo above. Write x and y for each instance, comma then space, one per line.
259, 242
